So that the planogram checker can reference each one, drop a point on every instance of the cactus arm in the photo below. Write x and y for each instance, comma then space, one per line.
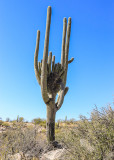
53, 63
61, 97
36, 58
71, 60
41, 63
63, 42
39, 68
65, 92
67, 48
49, 61
45, 57
63, 48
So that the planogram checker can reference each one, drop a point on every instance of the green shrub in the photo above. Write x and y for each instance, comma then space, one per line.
6, 124
21, 119
1, 122
43, 124
57, 131
39, 121
43, 131
14, 122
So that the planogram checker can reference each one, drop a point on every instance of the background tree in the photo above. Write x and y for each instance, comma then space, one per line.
52, 77
7, 119
21, 119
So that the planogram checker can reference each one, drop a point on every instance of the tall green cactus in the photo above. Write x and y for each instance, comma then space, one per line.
52, 77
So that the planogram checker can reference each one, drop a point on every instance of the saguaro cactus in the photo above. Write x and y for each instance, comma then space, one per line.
52, 77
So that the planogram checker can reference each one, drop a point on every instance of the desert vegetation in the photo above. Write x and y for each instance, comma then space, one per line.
86, 139
91, 139
21, 137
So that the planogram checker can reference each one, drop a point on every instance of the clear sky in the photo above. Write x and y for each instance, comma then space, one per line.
91, 75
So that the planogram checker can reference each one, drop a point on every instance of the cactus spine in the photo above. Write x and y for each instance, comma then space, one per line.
52, 77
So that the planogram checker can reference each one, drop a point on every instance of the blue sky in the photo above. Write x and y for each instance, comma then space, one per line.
91, 75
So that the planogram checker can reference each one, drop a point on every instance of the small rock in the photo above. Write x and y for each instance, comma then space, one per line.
16, 156
52, 155
84, 143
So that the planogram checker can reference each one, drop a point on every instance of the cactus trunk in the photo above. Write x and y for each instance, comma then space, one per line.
50, 123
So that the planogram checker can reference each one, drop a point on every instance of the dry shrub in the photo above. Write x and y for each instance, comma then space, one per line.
21, 139
92, 139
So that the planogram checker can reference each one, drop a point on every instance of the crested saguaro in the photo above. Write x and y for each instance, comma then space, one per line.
52, 77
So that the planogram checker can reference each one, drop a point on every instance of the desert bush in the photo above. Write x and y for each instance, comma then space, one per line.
21, 139
57, 130
1, 122
72, 121
39, 121
21, 119
6, 124
14, 123
43, 123
92, 139
57, 125
43, 131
